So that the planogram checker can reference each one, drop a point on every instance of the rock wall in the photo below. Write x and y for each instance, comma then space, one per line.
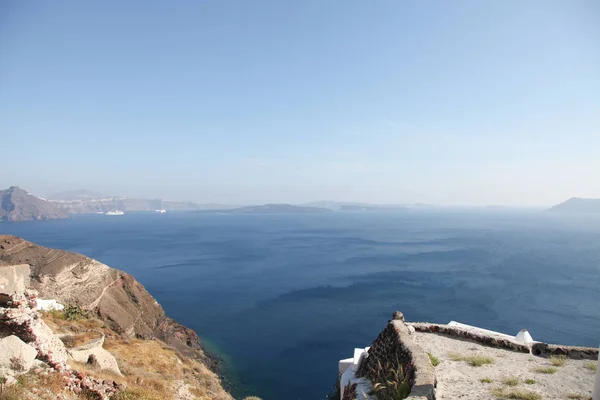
478, 337
24, 337
574, 352
394, 347
537, 348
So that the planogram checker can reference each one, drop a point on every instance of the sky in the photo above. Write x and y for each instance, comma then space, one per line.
243, 102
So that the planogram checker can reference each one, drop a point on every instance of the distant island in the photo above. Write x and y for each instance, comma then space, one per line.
576, 205
17, 204
88, 202
352, 206
277, 209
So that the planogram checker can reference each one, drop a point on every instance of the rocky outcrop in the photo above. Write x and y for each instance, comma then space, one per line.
16, 354
25, 337
18, 205
94, 354
113, 295
19, 317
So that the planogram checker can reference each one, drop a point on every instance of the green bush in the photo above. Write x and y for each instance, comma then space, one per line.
434, 360
74, 313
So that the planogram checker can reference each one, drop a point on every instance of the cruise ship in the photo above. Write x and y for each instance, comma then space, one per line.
114, 213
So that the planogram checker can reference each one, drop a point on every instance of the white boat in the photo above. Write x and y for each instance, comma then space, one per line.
114, 213
161, 211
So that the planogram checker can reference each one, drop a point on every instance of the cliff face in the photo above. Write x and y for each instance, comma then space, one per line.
113, 295
104, 204
18, 205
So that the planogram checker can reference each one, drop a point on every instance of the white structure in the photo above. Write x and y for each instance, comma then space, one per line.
161, 211
523, 337
47, 305
348, 369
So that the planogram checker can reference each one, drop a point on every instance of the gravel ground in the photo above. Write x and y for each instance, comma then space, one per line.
459, 380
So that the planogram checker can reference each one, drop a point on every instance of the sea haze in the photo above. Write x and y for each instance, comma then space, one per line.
281, 298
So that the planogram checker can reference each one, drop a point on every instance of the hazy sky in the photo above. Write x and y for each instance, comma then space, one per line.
448, 102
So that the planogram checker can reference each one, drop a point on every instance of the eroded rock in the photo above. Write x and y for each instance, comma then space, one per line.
15, 354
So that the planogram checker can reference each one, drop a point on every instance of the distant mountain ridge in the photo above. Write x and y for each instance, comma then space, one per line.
352, 206
89, 202
578, 205
75, 195
17, 204
278, 209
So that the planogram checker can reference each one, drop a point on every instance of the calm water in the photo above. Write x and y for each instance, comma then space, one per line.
283, 297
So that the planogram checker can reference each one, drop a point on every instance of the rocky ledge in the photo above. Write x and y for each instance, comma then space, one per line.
113, 295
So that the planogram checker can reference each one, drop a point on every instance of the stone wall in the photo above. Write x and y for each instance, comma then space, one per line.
538, 348
394, 348
484, 339
574, 352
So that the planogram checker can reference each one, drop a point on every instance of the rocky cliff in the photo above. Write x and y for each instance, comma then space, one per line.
113, 295
17, 204
68, 353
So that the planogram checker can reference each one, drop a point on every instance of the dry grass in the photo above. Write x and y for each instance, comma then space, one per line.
56, 321
473, 360
51, 386
14, 392
138, 393
592, 366
81, 339
53, 382
510, 381
545, 370
503, 393
152, 364
558, 361
578, 396
149, 366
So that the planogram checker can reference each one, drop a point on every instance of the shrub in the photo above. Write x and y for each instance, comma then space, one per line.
486, 380
434, 360
546, 370
511, 381
558, 361
503, 393
475, 361
74, 313
389, 382
530, 381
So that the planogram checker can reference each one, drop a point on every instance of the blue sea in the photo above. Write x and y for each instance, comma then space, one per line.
281, 298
